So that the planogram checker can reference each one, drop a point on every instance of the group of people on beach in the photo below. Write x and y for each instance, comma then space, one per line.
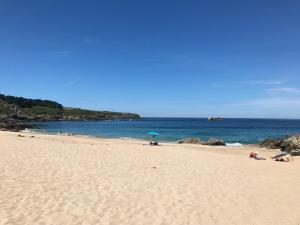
281, 157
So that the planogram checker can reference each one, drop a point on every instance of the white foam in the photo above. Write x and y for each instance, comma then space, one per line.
126, 138
26, 130
234, 145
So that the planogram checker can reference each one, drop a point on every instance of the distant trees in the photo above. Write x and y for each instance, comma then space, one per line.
29, 103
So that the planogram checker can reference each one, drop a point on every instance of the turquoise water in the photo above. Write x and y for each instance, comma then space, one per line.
243, 131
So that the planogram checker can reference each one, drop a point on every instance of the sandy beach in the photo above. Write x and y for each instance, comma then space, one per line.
63, 180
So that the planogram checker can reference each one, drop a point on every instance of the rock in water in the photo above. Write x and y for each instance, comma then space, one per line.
15, 126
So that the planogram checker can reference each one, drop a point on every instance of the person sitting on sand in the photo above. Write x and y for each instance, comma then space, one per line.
256, 156
153, 143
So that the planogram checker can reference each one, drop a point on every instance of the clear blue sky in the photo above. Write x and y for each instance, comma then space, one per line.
156, 58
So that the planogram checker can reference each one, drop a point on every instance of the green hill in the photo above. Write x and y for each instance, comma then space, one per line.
80, 114
19, 108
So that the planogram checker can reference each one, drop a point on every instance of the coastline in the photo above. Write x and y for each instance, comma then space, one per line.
37, 131
232, 131
54, 179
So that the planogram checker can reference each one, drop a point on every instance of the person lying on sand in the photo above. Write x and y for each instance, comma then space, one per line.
283, 157
256, 156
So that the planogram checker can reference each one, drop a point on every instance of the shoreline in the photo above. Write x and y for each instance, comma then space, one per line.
32, 131
97, 139
289, 143
233, 138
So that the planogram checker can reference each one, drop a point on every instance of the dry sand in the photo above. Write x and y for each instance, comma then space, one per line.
76, 180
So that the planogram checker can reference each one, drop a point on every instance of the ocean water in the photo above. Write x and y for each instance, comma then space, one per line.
244, 131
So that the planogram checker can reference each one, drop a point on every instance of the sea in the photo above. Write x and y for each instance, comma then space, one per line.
235, 132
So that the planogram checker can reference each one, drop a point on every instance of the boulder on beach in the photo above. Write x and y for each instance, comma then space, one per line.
190, 141
295, 152
214, 142
291, 144
211, 141
271, 143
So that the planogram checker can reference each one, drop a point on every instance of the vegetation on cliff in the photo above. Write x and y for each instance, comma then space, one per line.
23, 109
84, 114
30, 103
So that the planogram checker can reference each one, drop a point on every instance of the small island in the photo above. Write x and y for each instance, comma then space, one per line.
215, 119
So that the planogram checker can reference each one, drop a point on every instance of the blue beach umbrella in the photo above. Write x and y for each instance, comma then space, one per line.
153, 133
152, 137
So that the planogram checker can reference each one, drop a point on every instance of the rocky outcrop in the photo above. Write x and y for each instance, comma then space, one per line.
295, 152
190, 141
271, 143
211, 141
12, 125
214, 142
291, 144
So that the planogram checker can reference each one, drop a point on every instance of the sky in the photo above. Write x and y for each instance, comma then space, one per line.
228, 58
